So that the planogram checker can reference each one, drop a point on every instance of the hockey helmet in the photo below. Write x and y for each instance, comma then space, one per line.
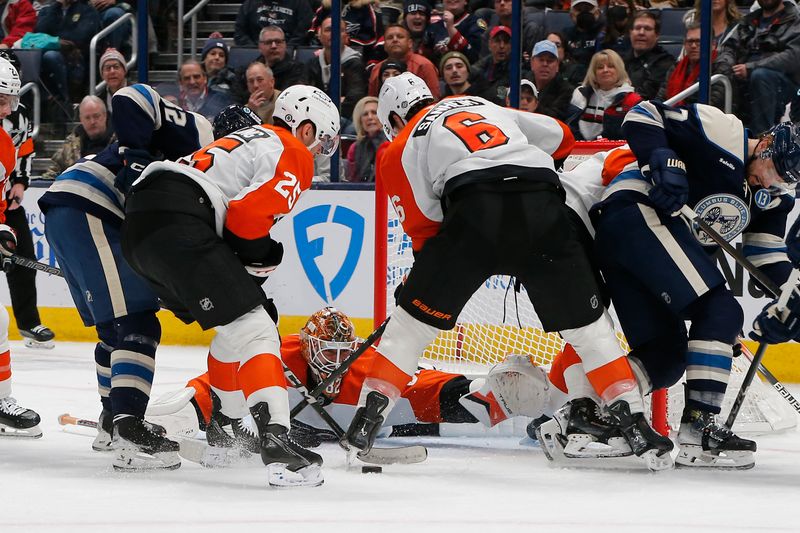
11, 56
784, 150
233, 118
398, 95
9, 82
299, 103
327, 339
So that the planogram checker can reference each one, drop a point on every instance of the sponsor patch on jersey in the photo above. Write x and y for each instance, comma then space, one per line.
728, 215
762, 198
446, 105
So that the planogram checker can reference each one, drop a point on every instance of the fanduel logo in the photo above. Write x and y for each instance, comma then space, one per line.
318, 220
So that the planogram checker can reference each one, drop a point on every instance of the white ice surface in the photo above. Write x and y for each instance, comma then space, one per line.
57, 483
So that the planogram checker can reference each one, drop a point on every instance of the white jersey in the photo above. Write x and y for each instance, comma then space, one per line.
465, 139
251, 176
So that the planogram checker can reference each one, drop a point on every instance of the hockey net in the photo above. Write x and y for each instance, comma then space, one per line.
499, 320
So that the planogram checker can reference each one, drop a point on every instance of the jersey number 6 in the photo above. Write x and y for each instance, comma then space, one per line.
475, 135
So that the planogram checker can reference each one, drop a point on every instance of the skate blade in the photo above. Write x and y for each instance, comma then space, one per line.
103, 442
199, 451
580, 446
36, 345
133, 460
693, 456
655, 462
281, 477
549, 437
34, 432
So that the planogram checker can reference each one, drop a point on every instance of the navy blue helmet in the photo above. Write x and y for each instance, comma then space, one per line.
785, 151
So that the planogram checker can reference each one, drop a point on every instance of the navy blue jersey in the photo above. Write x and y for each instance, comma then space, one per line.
142, 120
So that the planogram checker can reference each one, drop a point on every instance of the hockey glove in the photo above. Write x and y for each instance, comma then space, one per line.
670, 187
264, 267
774, 325
8, 240
135, 161
793, 243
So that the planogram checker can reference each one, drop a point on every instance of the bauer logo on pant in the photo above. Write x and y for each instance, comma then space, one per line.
725, 213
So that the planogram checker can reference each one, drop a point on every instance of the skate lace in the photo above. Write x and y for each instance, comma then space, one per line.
10, 407
246, 427
38, 329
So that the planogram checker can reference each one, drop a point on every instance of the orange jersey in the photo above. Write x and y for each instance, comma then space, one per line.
419, 403
8, 160
251, 177
463, 137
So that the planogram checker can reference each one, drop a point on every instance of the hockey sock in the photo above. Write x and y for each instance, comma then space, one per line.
262, 380
223, 379
102, 364
5, 374
707, 372
202, 396
403, 342
133, 363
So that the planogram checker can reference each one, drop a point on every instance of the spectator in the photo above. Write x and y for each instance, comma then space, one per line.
416, 18
214, 58
110, 11
528, 97
74, 22
17, 17
458, 30
455, 69
369, 136
353, 73
113, 71
364, 25
606, 87
686, 72
194, 92
554, 91
761, 57
647, 62
493, 69
287, 71
293, 17
616, 35
261, 86
397, 43
89, 137
568, 68
389, 69
532, 25
724, 17
582, 37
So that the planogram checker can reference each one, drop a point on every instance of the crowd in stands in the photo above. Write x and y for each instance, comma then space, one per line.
604, 57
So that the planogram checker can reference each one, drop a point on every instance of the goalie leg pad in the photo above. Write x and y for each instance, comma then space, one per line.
520, 387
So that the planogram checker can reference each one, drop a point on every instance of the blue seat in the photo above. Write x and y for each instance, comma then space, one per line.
672, 27
303, 54
241, 56
673, 48
30, 60
556, 20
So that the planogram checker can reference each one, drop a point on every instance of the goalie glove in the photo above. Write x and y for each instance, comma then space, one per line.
134, 162
670, 186
779, 323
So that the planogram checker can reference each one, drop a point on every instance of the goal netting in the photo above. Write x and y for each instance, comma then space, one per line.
500, 320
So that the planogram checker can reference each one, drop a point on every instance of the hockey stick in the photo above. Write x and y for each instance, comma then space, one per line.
748, 380
379, 456
35, 265
66, 419
314, 395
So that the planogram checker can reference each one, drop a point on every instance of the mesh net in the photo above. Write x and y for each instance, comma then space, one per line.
500, 320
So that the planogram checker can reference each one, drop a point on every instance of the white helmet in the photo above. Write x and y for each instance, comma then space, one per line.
9, 82
399, 94
303, 102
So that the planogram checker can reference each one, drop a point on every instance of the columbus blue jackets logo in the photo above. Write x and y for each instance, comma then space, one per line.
726, 214
312, 228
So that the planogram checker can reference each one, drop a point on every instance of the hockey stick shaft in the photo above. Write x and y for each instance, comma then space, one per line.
66, 420
319, 389
36, 265
777, 385
316, 405
748, 380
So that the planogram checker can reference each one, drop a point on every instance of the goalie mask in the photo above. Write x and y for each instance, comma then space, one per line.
784, 150
327, 339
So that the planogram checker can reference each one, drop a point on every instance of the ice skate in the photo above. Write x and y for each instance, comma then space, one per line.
16, 421
38, 337
245, 434
366, 423
644, 441
705, 443
288, 463
103, 442
216, 435
141, 445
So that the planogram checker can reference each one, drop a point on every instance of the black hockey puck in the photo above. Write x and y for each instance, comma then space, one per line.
371, 469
